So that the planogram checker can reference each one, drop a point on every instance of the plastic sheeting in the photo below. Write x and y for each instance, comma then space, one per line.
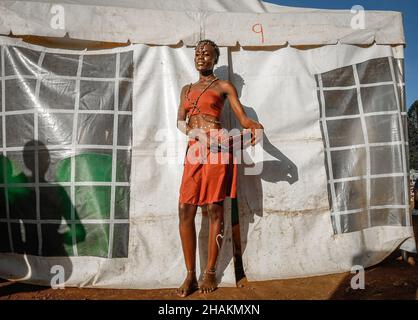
84, 131
66, 152
363, 121
249, 22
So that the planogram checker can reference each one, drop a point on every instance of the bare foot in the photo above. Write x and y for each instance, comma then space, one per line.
209, 282
189, 286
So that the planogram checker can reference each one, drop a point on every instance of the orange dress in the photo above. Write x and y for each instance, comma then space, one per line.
209, 176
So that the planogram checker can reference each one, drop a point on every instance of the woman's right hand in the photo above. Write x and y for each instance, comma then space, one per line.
256, 132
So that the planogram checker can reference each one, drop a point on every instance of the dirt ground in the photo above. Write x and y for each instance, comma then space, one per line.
393, 278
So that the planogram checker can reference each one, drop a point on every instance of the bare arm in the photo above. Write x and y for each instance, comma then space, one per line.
244, 120
181, 114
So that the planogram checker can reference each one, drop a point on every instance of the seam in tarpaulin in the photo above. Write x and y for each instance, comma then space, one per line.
383, 175
3, 112
327, 149
366, 141
114, 154
36, 168
403, 138
73, 149
389, 206
374, 144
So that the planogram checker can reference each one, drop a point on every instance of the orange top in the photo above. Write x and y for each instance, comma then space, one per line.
210, 103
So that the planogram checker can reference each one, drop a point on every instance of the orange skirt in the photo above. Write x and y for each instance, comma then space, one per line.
208, 176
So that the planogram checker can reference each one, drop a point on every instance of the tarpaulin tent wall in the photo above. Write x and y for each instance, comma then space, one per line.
92, 159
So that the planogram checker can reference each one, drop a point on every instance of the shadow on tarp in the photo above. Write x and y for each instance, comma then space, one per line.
281, 168
24, 199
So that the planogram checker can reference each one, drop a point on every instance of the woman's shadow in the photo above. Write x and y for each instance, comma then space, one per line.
49, 202
250, 177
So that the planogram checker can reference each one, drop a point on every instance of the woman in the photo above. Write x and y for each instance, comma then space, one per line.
206, 183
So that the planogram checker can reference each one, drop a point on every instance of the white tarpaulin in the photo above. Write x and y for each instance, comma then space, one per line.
92, 159
287, 220
285, 216
67, 185
250, 22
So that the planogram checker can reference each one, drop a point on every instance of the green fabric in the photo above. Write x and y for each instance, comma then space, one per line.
6, 176
91, 202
